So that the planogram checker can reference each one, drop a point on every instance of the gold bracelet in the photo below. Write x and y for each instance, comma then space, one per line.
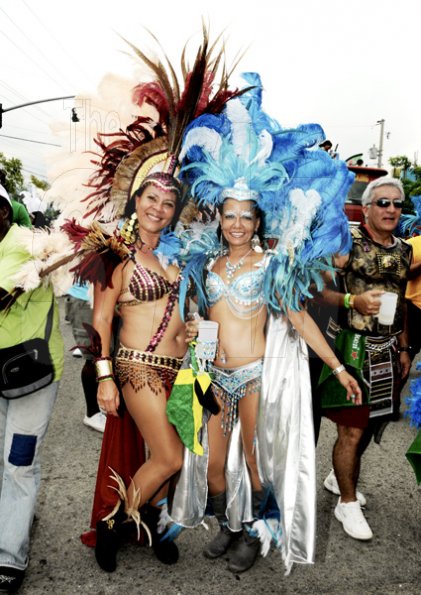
351, 301
103, 367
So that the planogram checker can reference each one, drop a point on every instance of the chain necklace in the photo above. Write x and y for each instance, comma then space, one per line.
231, 269
140, 244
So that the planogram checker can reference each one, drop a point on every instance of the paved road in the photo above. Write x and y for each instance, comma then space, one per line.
60, 564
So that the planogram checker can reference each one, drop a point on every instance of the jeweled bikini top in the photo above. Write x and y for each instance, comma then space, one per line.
244, 295
146, 286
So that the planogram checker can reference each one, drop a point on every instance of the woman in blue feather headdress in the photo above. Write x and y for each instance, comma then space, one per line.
275, 183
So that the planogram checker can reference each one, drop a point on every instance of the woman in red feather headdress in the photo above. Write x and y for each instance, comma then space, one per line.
135, 270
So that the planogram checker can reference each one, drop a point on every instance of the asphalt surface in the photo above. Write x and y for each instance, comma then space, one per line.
61, 564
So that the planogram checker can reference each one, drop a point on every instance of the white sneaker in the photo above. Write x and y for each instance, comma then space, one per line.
353, 520
96, 422
77, 352
331, 484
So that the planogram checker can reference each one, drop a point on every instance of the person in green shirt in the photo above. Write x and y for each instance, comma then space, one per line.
23, 421
20, 214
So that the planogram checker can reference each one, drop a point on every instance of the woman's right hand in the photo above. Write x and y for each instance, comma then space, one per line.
353, 390
108, 397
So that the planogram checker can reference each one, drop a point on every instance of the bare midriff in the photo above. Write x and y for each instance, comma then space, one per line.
241, 340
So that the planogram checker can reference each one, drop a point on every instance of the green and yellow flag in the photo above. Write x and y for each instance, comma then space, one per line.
190, 393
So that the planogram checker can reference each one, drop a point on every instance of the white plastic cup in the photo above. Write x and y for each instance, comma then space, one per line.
386, 314
208, 330
207, 340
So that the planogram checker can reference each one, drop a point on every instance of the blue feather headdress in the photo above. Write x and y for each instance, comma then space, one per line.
410, 225
244, 154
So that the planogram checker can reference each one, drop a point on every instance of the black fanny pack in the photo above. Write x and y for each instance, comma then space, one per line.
27, 367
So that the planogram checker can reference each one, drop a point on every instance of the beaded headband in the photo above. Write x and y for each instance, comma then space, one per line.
163, 181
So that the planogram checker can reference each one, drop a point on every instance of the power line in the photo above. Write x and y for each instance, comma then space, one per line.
34, 173
29, 57
46, 58
29, 140
57, 41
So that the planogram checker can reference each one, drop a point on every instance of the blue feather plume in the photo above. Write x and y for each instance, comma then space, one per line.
169, 246
199, 245
414, 401
409, 224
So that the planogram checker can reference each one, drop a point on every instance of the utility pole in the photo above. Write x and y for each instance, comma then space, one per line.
380, 153
9, 109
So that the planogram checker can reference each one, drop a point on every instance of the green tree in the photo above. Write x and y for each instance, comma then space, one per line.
400, 161
403, 166
41, 184
12, 169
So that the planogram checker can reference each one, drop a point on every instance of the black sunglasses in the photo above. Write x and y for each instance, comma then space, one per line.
385, 202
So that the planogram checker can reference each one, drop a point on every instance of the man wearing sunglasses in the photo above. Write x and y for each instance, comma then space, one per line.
378, 262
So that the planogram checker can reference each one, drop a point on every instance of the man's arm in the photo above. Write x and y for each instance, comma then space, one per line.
414, 270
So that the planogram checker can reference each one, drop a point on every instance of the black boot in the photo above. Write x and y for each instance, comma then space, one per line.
108, 539
220, 544
247, 550
165, 549
245, 554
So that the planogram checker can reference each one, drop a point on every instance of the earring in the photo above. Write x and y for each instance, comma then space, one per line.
129, 229
221, 244
255, 244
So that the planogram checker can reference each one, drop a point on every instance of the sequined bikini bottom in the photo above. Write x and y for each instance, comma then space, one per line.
142, 368
232, 384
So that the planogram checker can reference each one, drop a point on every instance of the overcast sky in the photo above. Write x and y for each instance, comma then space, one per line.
343, 64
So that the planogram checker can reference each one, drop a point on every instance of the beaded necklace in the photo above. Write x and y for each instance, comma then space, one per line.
231, 269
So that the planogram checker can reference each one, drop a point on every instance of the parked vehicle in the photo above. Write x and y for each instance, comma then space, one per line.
363, 176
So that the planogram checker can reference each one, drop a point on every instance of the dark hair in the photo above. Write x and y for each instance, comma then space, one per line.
259, 215
4, 203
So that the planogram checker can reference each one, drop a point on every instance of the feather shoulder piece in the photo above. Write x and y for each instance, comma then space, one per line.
98, 251
199, 245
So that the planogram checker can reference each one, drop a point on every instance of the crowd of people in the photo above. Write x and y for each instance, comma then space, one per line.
265, 235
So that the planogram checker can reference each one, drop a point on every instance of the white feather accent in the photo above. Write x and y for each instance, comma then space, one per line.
295, 229
266, 146
241, 128
268, 531
164, 519
205, 138
27, 277
61, 279
46, 248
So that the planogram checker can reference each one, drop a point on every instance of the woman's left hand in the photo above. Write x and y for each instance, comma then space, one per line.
192, 330
353, 391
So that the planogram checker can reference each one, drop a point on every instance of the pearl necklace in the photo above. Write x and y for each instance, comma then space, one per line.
231, 269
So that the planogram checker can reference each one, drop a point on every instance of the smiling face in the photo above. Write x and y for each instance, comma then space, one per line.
383, 220
239, 222
155, 209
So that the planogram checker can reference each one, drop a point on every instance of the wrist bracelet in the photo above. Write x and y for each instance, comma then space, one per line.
400, 349
347, 298
104, 378
338, 370
103, 367
351, 301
